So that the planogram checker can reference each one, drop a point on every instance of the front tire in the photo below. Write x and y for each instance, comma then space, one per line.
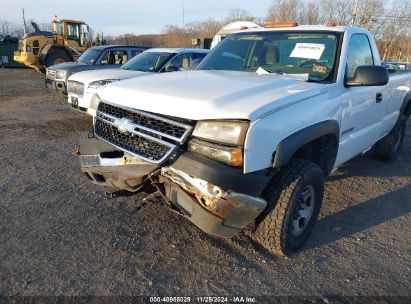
294, 202
389, 147
56, 58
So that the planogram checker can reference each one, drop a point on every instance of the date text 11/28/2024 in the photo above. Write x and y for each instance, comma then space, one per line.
236, 299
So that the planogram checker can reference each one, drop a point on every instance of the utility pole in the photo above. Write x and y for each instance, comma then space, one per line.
355, 12
183, 16
24, 22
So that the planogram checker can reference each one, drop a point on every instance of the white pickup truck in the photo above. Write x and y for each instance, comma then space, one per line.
246, 140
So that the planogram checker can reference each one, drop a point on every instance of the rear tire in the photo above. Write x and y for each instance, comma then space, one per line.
294, 202
56, 58
389, 147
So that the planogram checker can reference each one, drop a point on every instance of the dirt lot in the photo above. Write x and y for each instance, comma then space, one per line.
60, 235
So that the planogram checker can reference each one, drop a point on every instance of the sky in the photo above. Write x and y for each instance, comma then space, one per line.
116, 17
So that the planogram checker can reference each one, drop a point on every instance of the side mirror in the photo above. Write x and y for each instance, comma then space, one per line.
171, 68
368, 75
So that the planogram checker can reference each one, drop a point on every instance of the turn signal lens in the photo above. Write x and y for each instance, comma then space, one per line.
232, 156
284, 24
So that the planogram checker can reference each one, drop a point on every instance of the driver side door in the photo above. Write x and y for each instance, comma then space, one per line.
362, 107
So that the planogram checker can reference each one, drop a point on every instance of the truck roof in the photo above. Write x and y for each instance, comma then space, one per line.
108, 46
178, 50
302, 28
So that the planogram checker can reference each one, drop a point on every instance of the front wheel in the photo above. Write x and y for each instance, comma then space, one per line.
56, 58
294, 202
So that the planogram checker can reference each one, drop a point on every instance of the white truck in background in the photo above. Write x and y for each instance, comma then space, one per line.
232, 28
247, 139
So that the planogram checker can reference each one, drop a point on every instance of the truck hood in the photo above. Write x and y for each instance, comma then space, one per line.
87, 77
75, 67
211, 94
66, 66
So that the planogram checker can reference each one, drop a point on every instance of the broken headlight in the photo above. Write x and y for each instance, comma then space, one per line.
232, 156
220, 140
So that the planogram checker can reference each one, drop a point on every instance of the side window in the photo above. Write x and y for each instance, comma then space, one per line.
73, 31
114, 57
359, 53
178, 63
135, 52
196, 58
59, 28
124, 57
199, 56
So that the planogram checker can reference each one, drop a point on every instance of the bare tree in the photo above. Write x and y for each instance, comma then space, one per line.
309, 13
397, 23
236, 14
283, 11
370, 13
5, 28
338, 11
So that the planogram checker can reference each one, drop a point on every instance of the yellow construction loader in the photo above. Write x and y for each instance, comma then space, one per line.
42, 49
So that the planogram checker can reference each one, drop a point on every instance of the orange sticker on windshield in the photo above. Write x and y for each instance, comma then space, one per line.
319, 68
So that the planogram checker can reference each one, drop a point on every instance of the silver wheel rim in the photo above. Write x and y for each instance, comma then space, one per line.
304, 211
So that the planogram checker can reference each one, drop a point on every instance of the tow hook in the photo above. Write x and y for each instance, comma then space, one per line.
76, 152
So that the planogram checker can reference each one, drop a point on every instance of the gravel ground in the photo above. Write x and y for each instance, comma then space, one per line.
60, 235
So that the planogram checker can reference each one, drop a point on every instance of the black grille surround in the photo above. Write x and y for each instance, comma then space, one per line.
147, 136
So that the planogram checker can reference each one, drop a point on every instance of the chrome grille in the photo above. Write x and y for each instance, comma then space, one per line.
144, 135
75, 87
151, 122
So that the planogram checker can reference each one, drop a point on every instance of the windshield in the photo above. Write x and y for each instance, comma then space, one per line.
148, 61
89, 57
310, 53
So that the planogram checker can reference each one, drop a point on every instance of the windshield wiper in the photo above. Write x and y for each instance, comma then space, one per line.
270, 71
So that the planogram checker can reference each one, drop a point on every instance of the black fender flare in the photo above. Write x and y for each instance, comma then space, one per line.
289, 145
46, 50
405, 103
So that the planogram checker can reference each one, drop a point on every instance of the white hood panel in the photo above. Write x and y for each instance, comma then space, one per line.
87, 77
210, 94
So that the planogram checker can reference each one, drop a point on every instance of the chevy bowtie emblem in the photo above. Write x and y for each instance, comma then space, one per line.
124, 125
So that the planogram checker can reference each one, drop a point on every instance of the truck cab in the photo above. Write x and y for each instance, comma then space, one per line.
71, 33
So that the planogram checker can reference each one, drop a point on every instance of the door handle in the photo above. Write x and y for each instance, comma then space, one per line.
378, 98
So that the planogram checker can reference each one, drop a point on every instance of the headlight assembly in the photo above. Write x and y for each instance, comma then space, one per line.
232, 156
60, 74
100, 83
224, 132
221, 140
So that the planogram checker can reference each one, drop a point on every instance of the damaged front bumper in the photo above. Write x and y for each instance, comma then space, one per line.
219, 210
112, 169
56, 85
